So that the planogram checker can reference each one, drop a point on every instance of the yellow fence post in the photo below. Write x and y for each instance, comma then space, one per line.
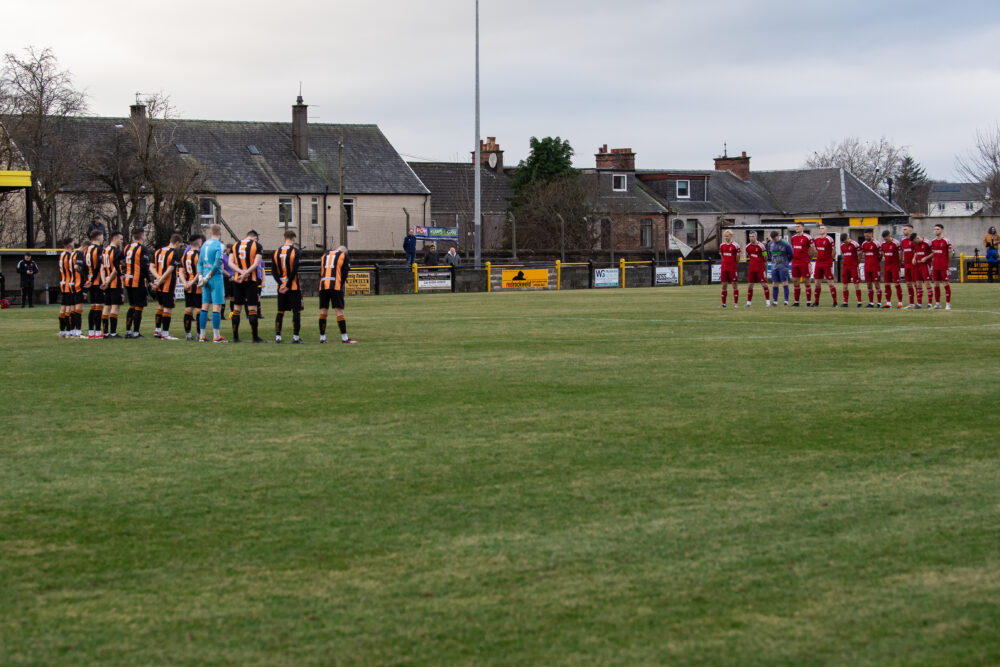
961, 268
489, 281
558, 275
680, 271
416, 280
621, 266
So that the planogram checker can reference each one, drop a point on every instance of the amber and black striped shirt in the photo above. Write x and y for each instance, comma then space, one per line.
334, 268
285, 267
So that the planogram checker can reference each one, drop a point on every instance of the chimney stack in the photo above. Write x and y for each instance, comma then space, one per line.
618, 159
487, 149
300, 129
138, 112
738, 165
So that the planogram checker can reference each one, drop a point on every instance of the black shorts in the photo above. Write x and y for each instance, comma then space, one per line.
138, 297
331, 297
166, 299
290, 300
192, 299
113, 296
246, 293
71, 298
96, 296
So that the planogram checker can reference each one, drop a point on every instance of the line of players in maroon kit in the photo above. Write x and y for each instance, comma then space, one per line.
925, 264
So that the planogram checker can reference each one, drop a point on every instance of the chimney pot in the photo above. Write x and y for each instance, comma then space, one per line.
300, 129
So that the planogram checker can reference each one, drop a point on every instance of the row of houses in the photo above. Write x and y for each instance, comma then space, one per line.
274, 176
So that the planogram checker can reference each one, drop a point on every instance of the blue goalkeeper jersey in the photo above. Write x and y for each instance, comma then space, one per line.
210, 259
780, 254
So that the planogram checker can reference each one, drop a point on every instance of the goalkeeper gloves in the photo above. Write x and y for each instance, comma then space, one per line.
202, 280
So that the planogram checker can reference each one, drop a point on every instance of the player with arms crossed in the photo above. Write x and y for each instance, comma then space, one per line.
757, 268
334, 267
850, 252
730, 252
940, 267
824, 266
285, 269
213, 292
246, 257
189, 279
802, 252
780, 254
873, 268
136, 279
921, 255
892, 253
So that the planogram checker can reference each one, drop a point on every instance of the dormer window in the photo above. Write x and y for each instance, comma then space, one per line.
684, 189
619, 182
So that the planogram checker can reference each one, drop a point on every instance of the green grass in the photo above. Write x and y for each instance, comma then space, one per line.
596, 477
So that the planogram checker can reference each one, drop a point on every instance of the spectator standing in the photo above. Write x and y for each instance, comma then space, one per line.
28, 270
452, 259
410, 248
431, 256
992, 262
991, 238
98, 225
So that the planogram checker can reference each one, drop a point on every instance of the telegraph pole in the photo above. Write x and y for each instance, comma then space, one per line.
477, 212
343, 218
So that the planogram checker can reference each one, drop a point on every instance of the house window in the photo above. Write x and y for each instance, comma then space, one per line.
692, 232
683, 189
349, 214
678, 228
314, 218
968, 206
940, 205
646, 233
206, 211
619, 182
284, 211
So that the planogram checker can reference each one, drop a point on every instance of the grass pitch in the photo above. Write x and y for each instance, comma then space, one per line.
597, 477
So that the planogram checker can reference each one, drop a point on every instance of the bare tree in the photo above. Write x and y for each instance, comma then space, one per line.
541, 202
36, 100
870, 161
982, 165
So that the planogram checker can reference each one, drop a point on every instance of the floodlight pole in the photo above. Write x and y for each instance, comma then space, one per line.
477, 211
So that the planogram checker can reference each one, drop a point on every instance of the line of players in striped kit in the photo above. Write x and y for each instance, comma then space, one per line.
924, 263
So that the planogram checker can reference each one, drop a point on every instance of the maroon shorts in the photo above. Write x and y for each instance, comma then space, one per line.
824, 271
941, 275
891, 274
920, 272
850, 274
728, 276
873, 274
756, 276
800, 269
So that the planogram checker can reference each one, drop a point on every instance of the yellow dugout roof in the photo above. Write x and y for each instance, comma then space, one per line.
15, 179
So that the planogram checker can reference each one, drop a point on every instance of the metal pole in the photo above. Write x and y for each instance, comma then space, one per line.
343, 218
513, 235
477, 213
562, 238
29, 218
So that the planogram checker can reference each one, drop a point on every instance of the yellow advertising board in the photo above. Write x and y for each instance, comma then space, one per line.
864, 222
15, 179
359, 283
524, 278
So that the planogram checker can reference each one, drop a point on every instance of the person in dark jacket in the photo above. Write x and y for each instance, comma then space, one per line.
431, 256
28, 270
410, 248
452, 258
96, 224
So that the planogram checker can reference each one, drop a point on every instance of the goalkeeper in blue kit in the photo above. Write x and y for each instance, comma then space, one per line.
213, 291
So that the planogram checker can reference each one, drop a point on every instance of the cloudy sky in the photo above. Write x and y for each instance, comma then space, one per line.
672, 80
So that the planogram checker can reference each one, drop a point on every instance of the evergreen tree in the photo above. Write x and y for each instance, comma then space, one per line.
550, 158
911, 186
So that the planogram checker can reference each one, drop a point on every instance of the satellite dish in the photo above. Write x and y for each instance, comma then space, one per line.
492, 160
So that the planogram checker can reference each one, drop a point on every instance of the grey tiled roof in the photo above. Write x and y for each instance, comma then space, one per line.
635, 199
829, 190
955, 192
371, 164
451, 186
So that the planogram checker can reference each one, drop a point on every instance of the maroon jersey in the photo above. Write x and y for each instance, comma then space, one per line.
907, 245
755, 256
824, 250
873, 255
921, 250
892, 253
800, 249
730, 255
942, 251
850, 249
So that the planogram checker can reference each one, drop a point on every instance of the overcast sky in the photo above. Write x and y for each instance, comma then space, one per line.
671, 80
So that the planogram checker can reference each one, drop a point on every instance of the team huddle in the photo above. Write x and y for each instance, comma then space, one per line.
110, 273
923, 263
